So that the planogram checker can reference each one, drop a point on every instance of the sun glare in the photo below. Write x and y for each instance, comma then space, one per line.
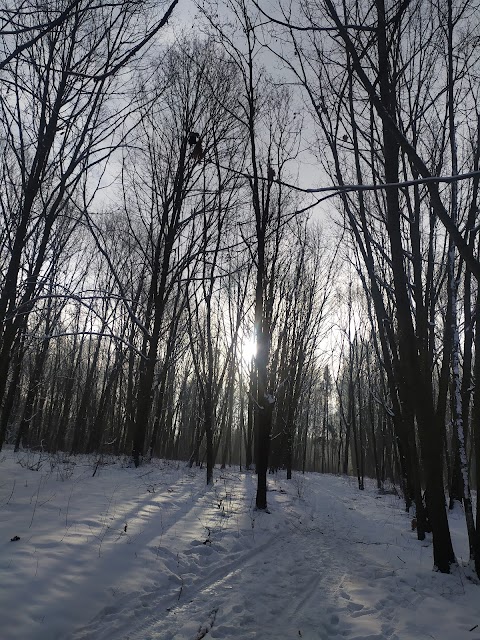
249, 349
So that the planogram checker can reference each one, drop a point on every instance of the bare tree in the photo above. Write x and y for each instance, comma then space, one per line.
59, 73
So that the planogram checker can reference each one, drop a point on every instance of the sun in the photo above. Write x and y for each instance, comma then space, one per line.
249, 350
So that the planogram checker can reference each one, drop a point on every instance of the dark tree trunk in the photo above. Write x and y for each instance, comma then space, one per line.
32, 393
13, 390
249, 439
414, 377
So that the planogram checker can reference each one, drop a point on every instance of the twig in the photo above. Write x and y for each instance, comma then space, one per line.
36, 502
68, 507
204, 629
96, 467
11, 494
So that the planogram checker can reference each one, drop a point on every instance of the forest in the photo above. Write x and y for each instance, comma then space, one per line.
249, 239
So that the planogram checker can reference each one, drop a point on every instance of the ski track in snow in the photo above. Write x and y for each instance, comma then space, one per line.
327, 562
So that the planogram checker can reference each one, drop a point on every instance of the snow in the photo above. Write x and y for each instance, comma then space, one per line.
152, 553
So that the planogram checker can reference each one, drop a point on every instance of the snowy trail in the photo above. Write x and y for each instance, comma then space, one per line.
282, 578
328, 562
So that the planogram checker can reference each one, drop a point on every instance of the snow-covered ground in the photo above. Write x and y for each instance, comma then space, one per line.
151, 553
